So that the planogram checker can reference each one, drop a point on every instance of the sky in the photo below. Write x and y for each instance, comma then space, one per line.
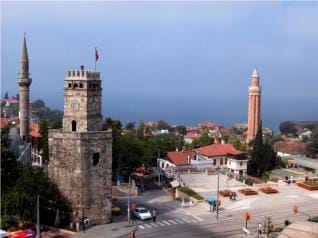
182, 61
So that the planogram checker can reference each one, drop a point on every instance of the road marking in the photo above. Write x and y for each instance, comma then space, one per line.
187, 221
147, 225
154, 224
198, 218
181, 222
158, 222
172, 221
166, 223
142, 227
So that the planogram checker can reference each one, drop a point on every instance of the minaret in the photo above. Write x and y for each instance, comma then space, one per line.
24, 82
254, 106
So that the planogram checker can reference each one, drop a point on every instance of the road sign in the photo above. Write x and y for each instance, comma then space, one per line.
246, 231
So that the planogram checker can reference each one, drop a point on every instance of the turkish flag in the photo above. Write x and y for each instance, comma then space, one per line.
96, 54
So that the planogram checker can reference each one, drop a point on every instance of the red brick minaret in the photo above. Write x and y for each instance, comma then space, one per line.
254, 106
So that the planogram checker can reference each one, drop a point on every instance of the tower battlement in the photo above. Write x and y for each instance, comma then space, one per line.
82, 75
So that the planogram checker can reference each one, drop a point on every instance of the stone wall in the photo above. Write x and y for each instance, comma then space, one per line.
87, 186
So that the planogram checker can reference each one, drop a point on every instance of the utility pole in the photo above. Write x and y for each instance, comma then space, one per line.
129, 200
158, 168
217, 195
38, 231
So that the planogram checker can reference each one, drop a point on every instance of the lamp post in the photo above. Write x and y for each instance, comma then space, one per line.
217, 195
129, 199
38, 231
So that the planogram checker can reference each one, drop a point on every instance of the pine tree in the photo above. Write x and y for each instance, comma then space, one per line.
257, 162
263, 156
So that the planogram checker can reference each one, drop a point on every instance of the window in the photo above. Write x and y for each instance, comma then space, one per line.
241, 163
162, 165
69, 85
214, 161
95, 158
225, 161
75, 85
221, 161
73, 125
81, 85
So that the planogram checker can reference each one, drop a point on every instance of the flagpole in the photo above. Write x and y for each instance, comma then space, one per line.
95, 59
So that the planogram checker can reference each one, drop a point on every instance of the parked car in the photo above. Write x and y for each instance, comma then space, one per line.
142, 213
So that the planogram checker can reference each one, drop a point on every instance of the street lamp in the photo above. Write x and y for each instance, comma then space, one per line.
217, 195
129, 199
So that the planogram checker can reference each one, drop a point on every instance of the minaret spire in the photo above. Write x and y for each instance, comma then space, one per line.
24, 63
24, 82
254, 106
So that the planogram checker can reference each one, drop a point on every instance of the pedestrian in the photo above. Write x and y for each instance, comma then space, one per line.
214, 205
154, 215
83, 220
234, 196
231, 194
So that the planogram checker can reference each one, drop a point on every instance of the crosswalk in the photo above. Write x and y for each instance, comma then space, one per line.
169, 222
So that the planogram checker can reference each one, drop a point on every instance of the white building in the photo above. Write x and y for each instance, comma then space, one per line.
208, 157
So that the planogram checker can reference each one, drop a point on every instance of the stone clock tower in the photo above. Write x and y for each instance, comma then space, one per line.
81, 152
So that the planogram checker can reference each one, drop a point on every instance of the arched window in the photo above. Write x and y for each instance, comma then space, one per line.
81, 85
75, 85
73, 125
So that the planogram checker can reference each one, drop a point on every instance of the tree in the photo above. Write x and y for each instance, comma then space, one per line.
263, 156
38, 104
204, 140
257, 163
182, 130
287, 127
20, 185
130, 125
162, 125
44, 127
6, 95
20, 199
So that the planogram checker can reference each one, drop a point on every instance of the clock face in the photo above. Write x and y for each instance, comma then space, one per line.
75, 106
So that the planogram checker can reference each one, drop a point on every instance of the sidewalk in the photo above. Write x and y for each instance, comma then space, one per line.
112, 230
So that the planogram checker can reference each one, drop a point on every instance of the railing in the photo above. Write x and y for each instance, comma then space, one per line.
36, 160
25, 154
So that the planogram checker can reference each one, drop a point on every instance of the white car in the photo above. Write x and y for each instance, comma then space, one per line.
142, 213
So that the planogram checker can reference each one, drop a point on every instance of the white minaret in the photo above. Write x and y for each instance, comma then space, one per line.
24, 82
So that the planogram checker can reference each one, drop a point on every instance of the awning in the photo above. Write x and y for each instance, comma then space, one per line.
211, 200
3, 233
175, 183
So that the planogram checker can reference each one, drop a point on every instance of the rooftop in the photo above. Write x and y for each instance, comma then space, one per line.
219, 150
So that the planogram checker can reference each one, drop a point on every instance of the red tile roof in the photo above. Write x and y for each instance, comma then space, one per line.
4, 122
10, 100
192, 136
292, 147
35, 134
179, 157
219, 150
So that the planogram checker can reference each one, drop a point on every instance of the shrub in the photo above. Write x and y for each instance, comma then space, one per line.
313, 219
190, 193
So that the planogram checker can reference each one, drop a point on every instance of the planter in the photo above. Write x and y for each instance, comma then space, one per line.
269, 190
248, 192
225, 193
309, 186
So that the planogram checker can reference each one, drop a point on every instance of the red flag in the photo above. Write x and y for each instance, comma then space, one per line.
96, 54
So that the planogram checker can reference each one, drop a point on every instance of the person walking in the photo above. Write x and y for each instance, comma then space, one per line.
154, 215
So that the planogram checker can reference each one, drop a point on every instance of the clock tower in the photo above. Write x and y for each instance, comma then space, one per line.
82, 101
81, 152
